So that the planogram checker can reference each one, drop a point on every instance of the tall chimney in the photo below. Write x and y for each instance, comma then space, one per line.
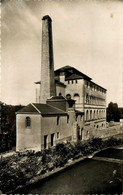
47, 62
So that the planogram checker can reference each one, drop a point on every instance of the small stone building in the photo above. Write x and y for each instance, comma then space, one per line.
41, 126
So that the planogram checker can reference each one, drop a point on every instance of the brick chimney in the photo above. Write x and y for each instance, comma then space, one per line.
47, 62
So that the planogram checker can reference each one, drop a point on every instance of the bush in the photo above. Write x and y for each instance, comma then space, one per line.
111, 142
96, 143
60, 162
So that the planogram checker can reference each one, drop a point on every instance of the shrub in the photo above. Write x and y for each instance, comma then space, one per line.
111, 142
96, 143
60, 162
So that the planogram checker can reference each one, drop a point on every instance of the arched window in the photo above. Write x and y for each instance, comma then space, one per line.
94, 115
90, 114
76, 97
87, 115
60, 94
28, 121
68, 96
97, 114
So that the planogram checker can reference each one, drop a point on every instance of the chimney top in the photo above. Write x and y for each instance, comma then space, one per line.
47, 17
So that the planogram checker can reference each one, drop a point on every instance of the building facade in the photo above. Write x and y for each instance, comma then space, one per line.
69, 105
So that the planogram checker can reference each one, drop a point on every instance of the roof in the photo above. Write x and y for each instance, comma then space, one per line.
59, 83
27, 109
79, 112
60, 98
73, 77
71, 71
57, 98
43, 109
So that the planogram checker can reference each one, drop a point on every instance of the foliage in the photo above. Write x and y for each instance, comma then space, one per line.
21, 167
113, 113
4, 146
8, 126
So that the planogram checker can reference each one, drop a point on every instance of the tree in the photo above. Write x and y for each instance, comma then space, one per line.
8, 124
113, 113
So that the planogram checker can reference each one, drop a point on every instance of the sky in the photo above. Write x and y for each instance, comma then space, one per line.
87, 34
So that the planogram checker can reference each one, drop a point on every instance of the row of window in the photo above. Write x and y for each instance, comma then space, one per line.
58, 120
28, 121
72, 82
89, 85
52, 136
99, 126
94, 100
95, 114
76, 97
88, 99
94, 87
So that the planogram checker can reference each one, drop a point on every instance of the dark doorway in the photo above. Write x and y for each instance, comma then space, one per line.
52, 139
45, 141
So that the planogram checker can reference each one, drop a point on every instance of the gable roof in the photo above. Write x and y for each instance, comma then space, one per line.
43, 109
71, 73
28, 109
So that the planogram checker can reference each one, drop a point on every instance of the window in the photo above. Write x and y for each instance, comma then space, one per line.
90, 114
28, 121
76, 97
45, 141
87, 115
52, 139
87, 98
68, 119
68, 82
72, 81
76, 81
94, 115
97, 114
68, 96
58, 118
60, 94
57, 135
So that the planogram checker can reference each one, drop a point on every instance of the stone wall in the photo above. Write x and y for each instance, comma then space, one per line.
60, 126
28, 137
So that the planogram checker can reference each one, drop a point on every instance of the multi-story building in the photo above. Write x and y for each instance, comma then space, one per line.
69, 106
